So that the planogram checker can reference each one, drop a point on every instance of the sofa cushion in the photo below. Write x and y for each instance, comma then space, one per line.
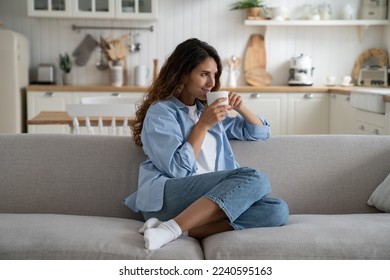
59, 237
347, 236
380, 198
320, 174
68, 174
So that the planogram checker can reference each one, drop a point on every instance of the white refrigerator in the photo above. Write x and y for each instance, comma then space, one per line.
14, 67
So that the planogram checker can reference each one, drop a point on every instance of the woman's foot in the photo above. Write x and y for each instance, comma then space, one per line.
157, 237
151, 223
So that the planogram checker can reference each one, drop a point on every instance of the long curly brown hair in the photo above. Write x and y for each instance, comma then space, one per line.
173, 76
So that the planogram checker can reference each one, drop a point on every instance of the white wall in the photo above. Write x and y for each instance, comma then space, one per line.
333, 49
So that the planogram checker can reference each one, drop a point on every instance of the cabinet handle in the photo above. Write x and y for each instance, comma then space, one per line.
375, 131
49, 94
115, 94
255, 95
361, 127
348, 98
308, 96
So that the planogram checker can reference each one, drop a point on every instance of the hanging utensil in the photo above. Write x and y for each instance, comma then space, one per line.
135, 46
102, 64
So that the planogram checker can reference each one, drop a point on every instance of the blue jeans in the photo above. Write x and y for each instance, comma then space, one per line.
241, 193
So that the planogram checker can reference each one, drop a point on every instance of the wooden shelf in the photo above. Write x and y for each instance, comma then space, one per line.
334, 22
361, 24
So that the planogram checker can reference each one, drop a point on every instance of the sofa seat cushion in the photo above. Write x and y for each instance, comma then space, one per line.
58, 237
348, 236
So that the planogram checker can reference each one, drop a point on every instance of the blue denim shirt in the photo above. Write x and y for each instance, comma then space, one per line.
164, 136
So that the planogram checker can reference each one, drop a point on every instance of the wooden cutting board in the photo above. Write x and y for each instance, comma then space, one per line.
255, 56
255, 62
258, 77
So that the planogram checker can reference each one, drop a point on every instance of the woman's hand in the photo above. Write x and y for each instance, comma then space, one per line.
235, 101
214, 113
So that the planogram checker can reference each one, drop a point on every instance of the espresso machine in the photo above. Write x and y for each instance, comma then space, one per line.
301, 71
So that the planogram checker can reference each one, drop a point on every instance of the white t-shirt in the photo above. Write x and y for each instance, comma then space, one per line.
208, 151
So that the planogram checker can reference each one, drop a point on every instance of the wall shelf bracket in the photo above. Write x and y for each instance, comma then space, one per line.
362, 29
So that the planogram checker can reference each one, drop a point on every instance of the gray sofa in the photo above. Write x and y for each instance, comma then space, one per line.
61, 198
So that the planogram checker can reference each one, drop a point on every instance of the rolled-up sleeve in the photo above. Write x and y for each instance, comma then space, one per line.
238, 128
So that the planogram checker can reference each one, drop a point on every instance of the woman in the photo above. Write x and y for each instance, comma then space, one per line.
190, 181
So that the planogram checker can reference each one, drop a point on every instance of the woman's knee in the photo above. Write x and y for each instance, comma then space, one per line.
281, 212
260, 182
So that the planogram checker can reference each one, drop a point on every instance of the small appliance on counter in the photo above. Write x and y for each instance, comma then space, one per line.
373, 9
301, 71
46, 74
374, 76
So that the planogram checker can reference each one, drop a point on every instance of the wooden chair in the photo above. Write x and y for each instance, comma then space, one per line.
103, 114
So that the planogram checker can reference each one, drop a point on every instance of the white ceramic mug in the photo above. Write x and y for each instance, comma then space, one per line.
279, 13
346, 81
141, 74
214, 95
330, 80
348, 12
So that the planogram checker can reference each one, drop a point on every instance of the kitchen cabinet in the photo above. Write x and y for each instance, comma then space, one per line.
38, 101
370, 123
292, 113
288, 112
49, 8
109, 9
308, 113
341, 115
93, 8
270, 105
136, 9
368, 129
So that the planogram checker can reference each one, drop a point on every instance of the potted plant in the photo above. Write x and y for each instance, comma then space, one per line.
65, 64
253, 8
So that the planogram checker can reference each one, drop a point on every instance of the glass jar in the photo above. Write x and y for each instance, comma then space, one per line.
325, 11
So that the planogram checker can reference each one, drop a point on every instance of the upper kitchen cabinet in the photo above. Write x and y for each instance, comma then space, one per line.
109, 9
93, 8
136, 9
49, 8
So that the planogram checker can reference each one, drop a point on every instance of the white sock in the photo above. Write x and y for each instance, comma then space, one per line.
161, 235
151, 223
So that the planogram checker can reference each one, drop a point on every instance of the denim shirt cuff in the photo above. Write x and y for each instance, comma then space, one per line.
259, 131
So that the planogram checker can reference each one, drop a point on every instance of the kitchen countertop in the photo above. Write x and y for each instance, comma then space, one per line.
265, 89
